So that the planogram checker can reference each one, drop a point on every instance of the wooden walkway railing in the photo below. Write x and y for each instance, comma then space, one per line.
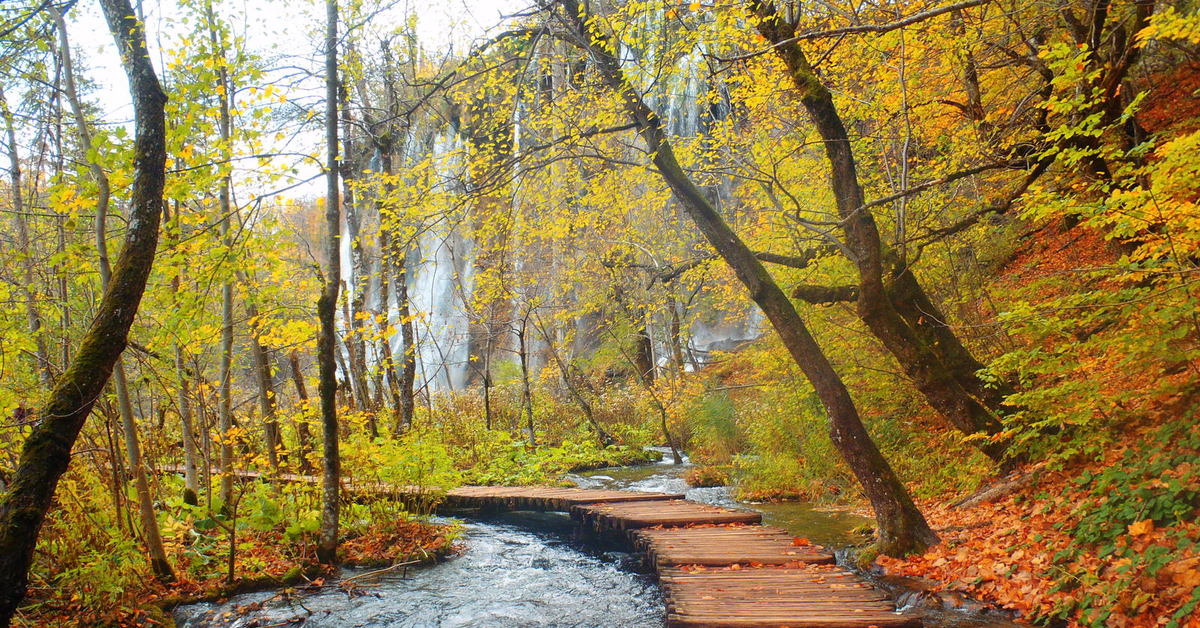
717, 566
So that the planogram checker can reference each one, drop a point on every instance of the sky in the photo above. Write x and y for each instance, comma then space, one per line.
290, 27
288, 24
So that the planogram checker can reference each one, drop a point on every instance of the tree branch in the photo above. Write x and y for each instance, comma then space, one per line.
825, 295
997, 208
917, 189
803, 260
862, 28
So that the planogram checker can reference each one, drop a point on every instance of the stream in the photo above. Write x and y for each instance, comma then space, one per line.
518, 569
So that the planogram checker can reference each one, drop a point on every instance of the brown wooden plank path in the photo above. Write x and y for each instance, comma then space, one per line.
810, 595
718, 567
544, 497
711, 547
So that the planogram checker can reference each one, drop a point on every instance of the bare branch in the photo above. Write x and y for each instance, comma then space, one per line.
997, 208
825, 295
862, 28
797, 261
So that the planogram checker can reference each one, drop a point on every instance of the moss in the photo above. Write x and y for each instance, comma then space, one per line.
863, 558
704, 476
865, 529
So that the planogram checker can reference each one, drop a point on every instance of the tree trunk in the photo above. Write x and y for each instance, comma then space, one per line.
353, 382
191, 480
266, 392
675, 337
150, 531
902, 528
225, 381
303, 437
644, 353
936, 378
408, 364
327, 304
149, 520
486, 370
261, 358
526, 393
383, 137
47, 452
383, 318
356, 346
60, 267
117, 487
929, 323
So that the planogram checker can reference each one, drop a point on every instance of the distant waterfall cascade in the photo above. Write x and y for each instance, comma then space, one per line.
442, 265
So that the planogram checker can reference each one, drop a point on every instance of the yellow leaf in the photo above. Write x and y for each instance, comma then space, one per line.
1145, 526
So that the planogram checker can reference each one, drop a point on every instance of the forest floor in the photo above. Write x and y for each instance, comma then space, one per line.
1085, 538
1028, 551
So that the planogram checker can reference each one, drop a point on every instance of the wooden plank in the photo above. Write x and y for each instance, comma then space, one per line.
670, 513
543, 497
814, 595
726, 545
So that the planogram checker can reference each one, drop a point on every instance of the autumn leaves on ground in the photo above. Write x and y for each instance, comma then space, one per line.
934, 261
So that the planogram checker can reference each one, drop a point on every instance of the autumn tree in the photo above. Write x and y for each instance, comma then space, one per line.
46, 452
902, 528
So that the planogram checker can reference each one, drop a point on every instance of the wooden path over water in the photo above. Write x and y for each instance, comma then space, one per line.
718, 567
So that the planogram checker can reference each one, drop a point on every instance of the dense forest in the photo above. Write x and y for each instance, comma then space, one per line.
933, 261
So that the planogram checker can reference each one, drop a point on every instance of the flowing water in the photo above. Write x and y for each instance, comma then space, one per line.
521, 570
508, 576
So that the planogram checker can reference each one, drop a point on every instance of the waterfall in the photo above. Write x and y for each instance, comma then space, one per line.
442, 281
442, 270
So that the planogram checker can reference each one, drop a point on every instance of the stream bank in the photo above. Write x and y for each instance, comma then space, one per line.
527, 569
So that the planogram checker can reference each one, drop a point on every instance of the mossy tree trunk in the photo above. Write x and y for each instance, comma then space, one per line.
327, 304
145, 502
408, 335
47, 452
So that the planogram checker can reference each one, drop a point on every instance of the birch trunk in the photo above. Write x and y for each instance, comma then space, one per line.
327, 304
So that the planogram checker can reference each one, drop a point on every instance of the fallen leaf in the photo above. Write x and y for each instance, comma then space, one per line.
1143, 527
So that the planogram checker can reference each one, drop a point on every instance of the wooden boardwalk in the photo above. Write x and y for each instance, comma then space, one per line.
718, 567
710, 547
806, 596
543, 497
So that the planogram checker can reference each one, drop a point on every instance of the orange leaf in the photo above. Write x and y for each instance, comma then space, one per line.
1145, 526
